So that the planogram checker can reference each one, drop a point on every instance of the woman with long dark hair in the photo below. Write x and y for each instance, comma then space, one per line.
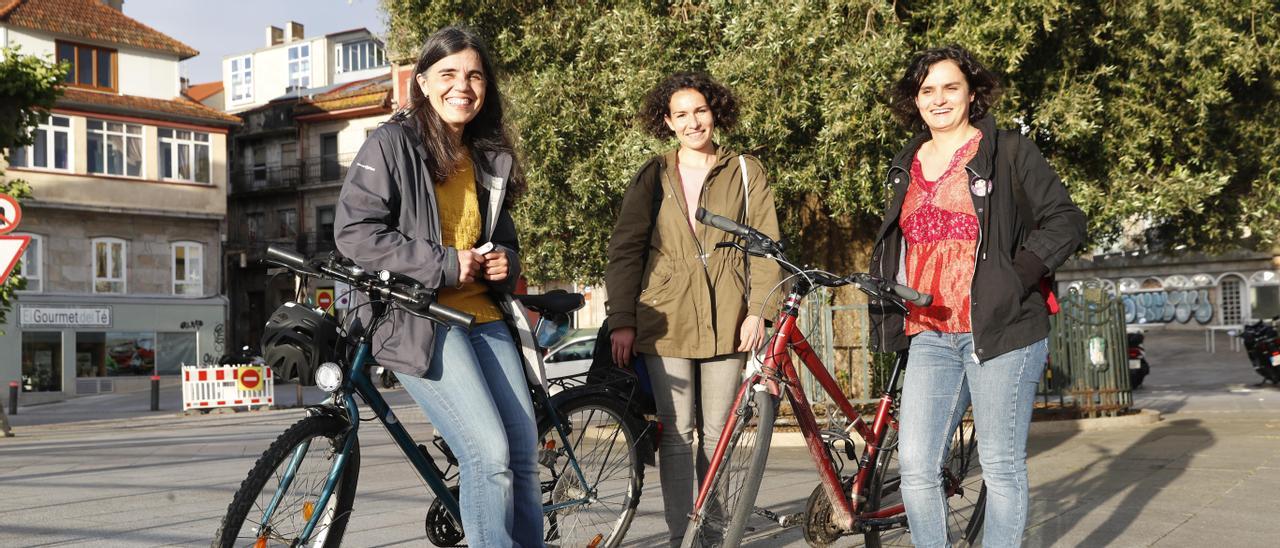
977, 219
424, 197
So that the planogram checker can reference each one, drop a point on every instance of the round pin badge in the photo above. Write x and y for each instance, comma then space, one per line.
981, 187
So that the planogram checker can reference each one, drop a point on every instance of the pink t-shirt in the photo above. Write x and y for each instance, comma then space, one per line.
691, 178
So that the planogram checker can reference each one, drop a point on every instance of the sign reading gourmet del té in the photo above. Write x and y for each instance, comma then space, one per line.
64, 316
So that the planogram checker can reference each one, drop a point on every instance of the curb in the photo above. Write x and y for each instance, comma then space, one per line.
1142, 418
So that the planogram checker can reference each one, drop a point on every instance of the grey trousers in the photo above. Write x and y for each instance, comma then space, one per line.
690, 395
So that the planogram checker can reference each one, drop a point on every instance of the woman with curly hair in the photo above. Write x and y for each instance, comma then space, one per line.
977, 218
690, 309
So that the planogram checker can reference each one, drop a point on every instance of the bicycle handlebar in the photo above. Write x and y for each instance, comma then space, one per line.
759, 244
405, 291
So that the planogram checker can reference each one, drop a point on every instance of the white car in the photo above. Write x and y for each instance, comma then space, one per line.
573, 357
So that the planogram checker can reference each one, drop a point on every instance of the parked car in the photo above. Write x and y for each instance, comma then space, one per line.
572, 357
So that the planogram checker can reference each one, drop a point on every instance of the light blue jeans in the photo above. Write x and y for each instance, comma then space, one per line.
942, 379
476, 396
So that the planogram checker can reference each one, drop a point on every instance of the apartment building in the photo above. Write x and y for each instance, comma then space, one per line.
129, 181
289, 157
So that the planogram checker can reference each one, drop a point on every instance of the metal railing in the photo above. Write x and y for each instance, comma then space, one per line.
273, 177
1088, 354
1088, 361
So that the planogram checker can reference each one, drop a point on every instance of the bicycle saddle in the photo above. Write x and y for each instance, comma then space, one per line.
557, 301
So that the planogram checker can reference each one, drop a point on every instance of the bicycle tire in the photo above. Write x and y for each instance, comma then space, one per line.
604, 442
965, 509
737, 481
255, 491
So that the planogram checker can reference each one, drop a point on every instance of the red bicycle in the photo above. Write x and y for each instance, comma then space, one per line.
856, 495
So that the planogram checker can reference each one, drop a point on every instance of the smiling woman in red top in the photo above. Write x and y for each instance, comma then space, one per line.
978, 217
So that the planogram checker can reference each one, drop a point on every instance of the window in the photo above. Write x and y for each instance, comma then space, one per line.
184, 155
51, 149
259, 154
288, 223
111, 354
242, 79
300, 66
188, 267
115, 148
253, 223
32, 265
41, 361
109, 265
324, 223
91, 67
289, 153
361, 55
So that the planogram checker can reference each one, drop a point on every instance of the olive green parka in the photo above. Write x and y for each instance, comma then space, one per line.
688, 299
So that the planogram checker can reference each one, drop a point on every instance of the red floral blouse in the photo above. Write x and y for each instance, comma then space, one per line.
941, 231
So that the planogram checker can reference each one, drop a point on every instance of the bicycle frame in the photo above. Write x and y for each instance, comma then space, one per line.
357, 381
778, 369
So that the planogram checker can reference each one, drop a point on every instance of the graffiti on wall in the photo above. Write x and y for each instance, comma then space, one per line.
1180, 305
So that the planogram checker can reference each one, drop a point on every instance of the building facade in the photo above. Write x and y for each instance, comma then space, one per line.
128, 181
290, 156
1185, 290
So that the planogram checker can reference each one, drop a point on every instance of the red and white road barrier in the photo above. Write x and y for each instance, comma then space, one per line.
206, 387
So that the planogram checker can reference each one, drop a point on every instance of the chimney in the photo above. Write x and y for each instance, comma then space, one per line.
117, 5
275, 35
293, 31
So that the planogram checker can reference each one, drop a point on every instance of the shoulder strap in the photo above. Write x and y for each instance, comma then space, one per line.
746, 192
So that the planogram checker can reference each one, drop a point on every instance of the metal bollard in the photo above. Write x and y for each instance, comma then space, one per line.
13, 397
155, 392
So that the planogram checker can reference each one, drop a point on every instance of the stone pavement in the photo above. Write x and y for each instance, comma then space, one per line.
1209, 472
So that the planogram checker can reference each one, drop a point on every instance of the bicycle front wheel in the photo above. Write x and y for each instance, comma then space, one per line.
722, 519
291, 474
961, 475
590, 499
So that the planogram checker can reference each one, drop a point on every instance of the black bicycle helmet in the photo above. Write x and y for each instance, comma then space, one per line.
297, 339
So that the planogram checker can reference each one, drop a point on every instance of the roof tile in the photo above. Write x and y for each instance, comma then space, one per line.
182, 109
90, 19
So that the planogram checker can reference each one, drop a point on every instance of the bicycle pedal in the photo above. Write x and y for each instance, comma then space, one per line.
444, 448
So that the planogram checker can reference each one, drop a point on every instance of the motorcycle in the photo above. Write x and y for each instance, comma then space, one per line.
1138, 366
1262, 344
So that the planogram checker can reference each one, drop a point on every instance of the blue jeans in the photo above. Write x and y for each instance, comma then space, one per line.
476, 396
943, 377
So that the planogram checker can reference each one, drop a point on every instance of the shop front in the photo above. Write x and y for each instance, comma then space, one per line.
56, 347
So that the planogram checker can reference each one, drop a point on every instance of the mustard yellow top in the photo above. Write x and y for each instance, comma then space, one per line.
460, 228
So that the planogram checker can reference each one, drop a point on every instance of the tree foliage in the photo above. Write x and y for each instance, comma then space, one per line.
1162, 112
28, 89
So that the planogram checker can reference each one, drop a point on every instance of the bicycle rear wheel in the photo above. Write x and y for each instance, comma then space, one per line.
722, 518
599, 511
961, 473
309, 447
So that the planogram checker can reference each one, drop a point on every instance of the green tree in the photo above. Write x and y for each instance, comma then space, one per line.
1156, 111
28, 89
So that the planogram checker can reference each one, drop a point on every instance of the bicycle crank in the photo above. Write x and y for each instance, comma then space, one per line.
442, 530
819, 527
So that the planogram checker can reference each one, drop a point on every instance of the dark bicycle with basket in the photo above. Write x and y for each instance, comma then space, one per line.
302, 489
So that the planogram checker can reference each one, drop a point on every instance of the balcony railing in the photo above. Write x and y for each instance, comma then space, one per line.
321, 169
307, 243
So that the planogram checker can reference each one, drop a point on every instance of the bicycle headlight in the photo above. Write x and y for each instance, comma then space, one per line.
329, 377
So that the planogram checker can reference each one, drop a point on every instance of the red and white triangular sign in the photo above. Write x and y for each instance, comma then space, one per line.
11, 248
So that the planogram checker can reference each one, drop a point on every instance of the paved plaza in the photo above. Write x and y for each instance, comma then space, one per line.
1207, 473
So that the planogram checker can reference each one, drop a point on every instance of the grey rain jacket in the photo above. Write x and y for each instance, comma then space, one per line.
1013, 253
387, 219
